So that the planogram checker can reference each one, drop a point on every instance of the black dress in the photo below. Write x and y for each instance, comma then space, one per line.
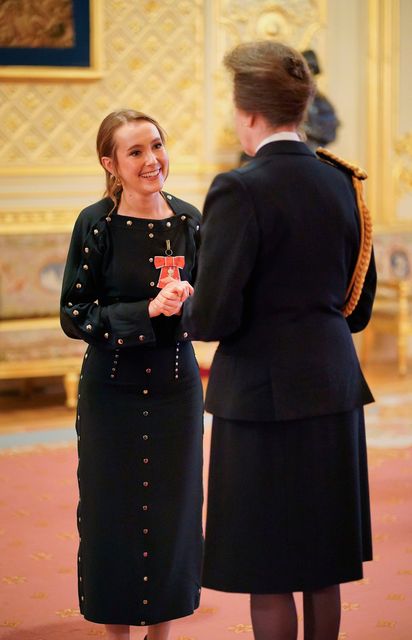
139, 418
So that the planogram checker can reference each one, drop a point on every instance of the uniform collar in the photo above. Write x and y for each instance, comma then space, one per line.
280, 135
285, 147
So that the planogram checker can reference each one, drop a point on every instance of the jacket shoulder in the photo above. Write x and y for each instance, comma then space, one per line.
91, 216
181, 206
97, 210
336, 161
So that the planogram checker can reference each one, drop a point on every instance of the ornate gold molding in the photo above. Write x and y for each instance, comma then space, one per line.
293, 21
36, 221
403, 146
30, 324
389, 156
298, 22
24, 170
404, 177
62, 194
153, 62
381, 18
191, 168
403, 165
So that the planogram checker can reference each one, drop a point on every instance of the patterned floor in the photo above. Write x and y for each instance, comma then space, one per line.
389, 420
38, 540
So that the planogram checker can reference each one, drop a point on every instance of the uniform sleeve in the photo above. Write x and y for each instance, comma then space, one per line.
359, 318
82, 316
228, 250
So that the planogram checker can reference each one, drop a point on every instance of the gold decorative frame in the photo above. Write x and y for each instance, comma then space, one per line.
67, 368
93, 72
36, 221
40, 221
389, 173
382, 105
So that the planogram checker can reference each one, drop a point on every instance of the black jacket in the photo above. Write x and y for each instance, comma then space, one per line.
280, 238
102, 303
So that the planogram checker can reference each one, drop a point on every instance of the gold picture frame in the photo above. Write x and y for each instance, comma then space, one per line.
32, 344
93, 71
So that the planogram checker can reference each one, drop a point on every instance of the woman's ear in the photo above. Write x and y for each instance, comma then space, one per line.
244, 119
107, 163
248, 119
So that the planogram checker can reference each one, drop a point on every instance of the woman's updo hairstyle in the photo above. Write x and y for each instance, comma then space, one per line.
106, 145
271, 79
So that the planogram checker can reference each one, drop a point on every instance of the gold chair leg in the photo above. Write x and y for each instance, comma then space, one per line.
27, 389
402, 352
71, 383
368, 339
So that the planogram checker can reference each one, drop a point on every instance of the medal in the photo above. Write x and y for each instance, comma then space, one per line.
169, 265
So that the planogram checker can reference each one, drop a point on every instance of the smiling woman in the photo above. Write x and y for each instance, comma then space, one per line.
124, 140
139, 162
131, 261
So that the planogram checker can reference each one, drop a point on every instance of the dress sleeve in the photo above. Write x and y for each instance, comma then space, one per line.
117, 325
192, 249
230, 239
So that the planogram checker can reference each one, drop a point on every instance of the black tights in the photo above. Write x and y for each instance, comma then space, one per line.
274, 615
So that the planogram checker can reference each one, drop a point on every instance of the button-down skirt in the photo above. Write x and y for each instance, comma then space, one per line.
139, 427
288, 504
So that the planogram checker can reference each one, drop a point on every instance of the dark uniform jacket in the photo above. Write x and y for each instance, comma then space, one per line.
280, 238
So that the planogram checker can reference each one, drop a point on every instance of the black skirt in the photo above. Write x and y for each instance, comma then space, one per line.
140, 431
288, 504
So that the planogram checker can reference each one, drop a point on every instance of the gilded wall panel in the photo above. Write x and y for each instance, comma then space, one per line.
403, 140
163, 57
390, 121
292, 21
153, 62
295, 22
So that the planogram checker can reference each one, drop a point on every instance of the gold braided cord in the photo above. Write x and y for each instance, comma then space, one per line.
365, 251
336, 160
357, 281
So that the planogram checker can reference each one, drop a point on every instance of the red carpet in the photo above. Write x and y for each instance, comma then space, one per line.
38, 541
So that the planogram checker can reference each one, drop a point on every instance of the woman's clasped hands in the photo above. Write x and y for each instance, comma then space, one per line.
170, 299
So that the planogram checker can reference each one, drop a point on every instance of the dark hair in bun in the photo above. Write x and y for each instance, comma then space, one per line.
272, 79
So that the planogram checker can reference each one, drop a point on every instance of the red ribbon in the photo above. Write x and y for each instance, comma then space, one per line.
169, 266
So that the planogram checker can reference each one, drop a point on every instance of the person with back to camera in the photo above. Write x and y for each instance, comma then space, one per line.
131, 260
286, 248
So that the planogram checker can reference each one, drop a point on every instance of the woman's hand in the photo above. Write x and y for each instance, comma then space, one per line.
170, 299
182, 288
